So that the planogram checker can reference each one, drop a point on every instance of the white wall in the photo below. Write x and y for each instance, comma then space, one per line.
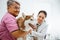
34, 6
2, 8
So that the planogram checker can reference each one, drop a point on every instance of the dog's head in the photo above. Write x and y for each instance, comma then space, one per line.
25, 20
28, 17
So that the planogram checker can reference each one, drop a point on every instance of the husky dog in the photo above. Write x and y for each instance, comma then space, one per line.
24, 23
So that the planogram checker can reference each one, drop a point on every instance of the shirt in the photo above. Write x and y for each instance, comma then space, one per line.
41, 31
8, 24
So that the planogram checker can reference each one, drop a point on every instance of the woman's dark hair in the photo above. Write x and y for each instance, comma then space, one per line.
42, 11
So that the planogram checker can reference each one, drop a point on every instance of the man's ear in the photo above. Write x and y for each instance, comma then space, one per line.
8, 7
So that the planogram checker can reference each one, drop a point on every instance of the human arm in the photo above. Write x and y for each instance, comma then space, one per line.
13, 29
40, 33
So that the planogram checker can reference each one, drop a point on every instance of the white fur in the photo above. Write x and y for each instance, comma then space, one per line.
27, 27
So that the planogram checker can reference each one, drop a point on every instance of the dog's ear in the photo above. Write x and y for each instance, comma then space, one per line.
32, 14
23, 15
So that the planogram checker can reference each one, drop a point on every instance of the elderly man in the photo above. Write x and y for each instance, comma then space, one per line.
8, 28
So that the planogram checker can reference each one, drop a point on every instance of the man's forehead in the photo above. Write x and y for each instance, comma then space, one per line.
14, 3
10, 2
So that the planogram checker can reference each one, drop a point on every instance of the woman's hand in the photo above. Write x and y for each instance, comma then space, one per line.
34, 27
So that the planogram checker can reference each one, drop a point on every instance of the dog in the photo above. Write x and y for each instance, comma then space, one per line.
25, 23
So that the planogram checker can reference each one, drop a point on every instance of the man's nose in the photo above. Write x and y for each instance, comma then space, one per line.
18, 10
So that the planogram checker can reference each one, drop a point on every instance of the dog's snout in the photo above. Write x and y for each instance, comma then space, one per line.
31, 19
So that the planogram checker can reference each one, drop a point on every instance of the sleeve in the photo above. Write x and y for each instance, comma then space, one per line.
11, 24
40, 34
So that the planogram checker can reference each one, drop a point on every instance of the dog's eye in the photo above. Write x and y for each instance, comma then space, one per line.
31, 19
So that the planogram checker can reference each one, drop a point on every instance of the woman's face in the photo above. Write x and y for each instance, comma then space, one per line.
41, 17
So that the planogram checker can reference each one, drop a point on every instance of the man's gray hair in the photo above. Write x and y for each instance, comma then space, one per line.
10, 2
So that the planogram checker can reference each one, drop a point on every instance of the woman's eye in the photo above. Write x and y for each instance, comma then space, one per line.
39, 16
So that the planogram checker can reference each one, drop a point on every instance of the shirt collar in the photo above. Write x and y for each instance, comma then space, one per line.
11, 15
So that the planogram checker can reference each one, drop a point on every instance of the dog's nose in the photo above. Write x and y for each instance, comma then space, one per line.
31, 19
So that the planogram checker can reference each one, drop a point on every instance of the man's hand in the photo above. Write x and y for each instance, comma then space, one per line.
20, 33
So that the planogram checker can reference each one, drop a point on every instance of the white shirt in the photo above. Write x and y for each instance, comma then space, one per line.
41, 31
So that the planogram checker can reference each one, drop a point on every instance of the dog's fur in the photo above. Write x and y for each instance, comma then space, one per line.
24, 23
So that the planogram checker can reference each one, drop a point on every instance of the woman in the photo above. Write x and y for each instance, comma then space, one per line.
41, 25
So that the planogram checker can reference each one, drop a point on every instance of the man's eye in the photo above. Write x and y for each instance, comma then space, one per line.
16, 7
